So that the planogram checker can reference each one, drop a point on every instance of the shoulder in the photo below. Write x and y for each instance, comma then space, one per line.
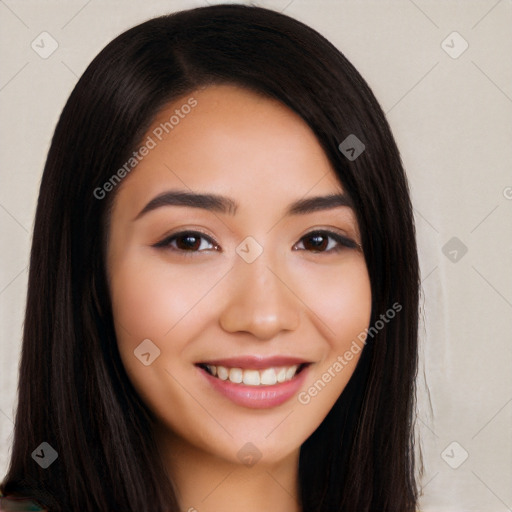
14, 503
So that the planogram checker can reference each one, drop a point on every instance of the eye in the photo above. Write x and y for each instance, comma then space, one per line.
188, 241
325, 241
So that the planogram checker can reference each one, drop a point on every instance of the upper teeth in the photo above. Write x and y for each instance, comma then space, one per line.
265, 377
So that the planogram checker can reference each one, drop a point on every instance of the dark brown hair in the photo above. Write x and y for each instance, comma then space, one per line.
73, 389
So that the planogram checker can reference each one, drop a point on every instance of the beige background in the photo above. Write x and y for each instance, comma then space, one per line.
452, 121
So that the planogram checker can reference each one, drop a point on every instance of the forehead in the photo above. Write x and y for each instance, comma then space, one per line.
227, 140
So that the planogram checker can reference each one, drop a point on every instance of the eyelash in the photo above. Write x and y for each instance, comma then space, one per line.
342, 241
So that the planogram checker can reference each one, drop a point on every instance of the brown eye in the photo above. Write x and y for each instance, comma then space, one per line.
188, 241
316, 242
325, 241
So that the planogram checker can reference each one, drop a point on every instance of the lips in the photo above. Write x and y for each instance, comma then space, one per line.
253, 381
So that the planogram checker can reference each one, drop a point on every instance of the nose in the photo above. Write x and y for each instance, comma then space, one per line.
260, 301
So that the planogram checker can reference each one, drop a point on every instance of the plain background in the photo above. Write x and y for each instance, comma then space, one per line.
450, 113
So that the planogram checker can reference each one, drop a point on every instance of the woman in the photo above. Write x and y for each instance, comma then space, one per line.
223, 294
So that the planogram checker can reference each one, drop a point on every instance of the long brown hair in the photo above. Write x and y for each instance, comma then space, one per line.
73, 390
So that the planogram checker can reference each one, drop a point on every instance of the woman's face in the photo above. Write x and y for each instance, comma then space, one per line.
225, 266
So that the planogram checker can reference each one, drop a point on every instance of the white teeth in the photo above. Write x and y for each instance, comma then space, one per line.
236, 375
252, 377
268, 377
265, 377
290, 372
212, 369
222, 372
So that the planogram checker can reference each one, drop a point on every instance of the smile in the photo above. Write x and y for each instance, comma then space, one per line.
255, 382
252, 377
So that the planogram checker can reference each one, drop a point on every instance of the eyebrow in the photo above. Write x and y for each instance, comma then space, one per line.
226, 205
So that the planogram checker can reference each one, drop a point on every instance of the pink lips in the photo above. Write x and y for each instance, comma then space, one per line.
256, 397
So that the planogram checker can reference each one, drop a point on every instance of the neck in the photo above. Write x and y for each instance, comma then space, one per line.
207, 483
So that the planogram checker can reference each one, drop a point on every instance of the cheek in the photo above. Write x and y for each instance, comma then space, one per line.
341, 311
150, 297
154, 300
340, 299
167, 304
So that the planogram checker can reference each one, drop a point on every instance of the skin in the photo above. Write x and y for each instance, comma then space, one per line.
210, 303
